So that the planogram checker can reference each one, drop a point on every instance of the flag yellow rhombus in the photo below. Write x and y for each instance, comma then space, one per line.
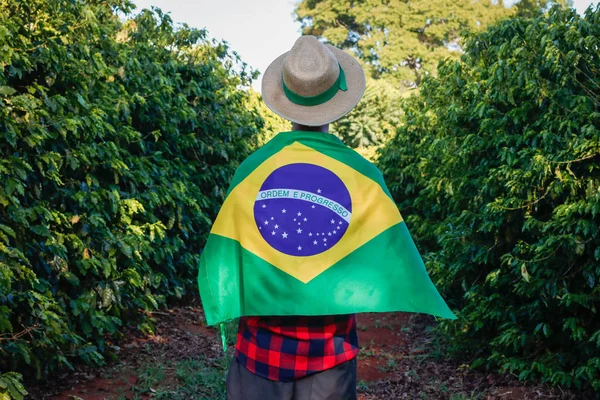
372, 213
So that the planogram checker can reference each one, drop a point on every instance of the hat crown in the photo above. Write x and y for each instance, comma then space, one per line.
310, 68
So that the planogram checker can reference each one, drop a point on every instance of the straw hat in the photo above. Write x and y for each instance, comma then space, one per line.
313, 84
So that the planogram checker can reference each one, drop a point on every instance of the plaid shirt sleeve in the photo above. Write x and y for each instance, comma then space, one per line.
290, 348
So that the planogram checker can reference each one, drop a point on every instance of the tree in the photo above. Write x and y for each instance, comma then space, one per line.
400, 41
497, 165
533, 8
374, 119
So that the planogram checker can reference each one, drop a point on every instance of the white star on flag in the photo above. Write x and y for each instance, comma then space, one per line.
305, 219
325, 239
276, 226
310, 234
339, 223
299, 247
315, 242
313, 206
272, 218
273, 233
266, 222
285, 235
328, 233
264, 206
333, 221
299, 214
318, 190
299, 230
284, 211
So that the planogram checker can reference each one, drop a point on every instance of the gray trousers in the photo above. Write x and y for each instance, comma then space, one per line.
338, 383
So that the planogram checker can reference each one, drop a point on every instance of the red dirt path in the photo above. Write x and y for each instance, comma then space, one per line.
380, 336
394, 363
100, 389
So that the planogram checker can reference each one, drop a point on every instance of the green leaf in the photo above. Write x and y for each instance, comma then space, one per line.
590, 278
7, 91
525, 273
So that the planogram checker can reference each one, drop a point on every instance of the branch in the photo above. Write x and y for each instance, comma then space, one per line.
528, 204
17, 335
576, 160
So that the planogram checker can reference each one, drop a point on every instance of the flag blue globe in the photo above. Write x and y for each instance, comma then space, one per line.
302, 209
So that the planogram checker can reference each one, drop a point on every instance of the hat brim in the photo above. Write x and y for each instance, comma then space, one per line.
321, 114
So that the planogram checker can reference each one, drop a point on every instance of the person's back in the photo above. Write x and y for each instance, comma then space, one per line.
308, 236
302, 357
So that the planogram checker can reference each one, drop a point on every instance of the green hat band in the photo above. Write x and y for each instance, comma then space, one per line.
339, 84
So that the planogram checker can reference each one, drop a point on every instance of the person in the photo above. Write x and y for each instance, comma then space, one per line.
302, 357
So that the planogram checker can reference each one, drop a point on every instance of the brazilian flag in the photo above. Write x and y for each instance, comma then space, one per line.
308, 227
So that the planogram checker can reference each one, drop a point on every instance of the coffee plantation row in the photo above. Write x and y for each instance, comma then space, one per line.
119, 137
497, 168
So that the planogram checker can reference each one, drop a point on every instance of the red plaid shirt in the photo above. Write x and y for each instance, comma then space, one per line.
290, 348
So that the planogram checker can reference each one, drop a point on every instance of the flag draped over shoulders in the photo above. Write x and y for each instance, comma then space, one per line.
308, 227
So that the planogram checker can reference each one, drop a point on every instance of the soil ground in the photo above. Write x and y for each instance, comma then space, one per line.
183, 359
